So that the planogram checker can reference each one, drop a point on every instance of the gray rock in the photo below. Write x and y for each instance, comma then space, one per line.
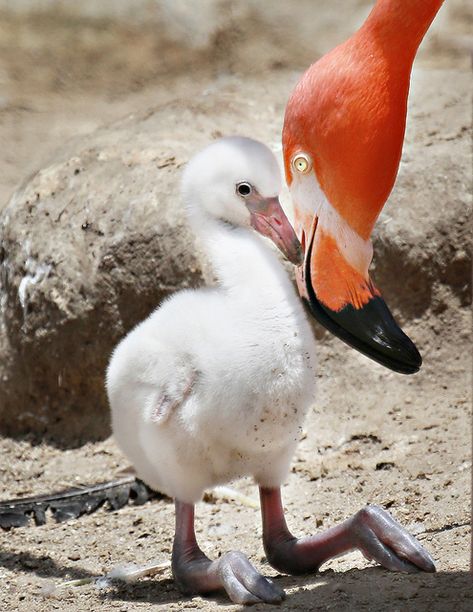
422, 239
89, 246
94, 241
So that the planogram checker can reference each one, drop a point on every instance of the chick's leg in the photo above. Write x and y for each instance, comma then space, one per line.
195, 573
372, 530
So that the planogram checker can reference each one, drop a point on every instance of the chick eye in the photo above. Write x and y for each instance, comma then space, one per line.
302, 163
244, 189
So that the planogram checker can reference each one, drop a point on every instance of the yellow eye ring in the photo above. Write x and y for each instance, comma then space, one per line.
302, 163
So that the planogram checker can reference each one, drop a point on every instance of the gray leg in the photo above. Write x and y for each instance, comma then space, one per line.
371, 530
195, 573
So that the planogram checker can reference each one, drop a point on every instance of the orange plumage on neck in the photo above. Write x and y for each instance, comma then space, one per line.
349, 110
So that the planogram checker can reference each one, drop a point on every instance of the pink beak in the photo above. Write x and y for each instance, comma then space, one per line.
269, 219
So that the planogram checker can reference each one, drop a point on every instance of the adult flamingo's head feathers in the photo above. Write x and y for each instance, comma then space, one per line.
342, 141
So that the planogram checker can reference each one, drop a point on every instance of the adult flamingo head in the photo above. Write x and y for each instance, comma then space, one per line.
342, 141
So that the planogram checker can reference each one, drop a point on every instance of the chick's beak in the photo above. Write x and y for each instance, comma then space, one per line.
269, 219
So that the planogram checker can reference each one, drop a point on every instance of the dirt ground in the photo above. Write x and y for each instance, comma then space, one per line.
372, 437
376, 437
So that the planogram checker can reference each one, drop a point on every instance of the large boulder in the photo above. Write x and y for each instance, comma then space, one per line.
89, 246
422, 238
95, 240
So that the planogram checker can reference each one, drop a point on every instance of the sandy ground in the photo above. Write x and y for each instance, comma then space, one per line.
373, 436
376, 437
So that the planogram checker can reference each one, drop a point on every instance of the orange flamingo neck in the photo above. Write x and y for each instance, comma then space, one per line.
400, 25
349, 110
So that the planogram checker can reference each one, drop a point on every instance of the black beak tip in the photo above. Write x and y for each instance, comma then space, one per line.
371, 330
408, 356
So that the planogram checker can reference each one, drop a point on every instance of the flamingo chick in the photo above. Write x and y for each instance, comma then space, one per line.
215, 384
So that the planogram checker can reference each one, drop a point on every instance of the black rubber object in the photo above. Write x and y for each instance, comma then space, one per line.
70, 504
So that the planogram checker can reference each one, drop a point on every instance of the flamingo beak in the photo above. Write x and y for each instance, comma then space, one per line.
269, 219
362, 319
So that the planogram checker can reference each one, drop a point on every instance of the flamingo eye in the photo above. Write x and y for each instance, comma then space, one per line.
302, 163
244, 189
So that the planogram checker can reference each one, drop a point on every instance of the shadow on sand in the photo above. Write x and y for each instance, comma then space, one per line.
369, 589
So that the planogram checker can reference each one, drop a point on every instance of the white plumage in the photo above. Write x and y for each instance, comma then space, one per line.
216, 382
